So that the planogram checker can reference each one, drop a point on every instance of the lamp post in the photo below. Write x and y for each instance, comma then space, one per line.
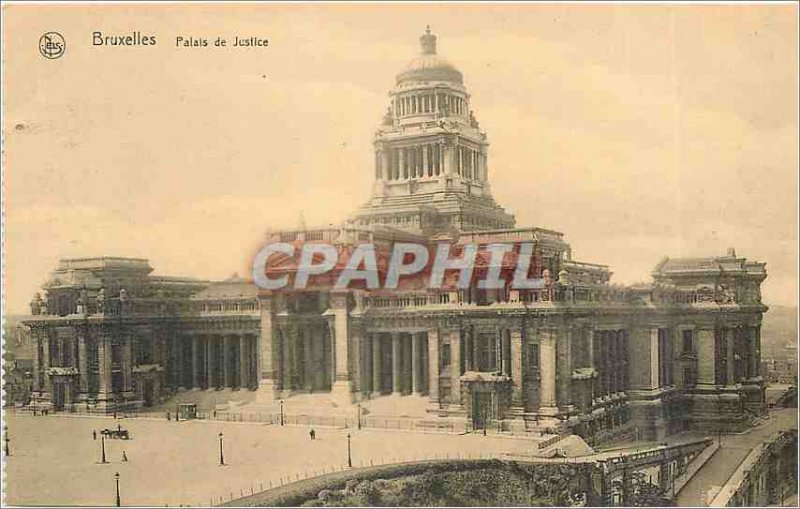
6, 439
221, 456
102, 448
281, 412
485, 412
116, 478
349, 456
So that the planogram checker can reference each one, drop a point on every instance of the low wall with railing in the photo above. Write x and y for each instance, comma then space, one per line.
297, 492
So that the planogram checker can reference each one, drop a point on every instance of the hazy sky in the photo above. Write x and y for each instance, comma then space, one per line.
639, 131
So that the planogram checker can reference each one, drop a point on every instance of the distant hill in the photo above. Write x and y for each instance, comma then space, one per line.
778, 329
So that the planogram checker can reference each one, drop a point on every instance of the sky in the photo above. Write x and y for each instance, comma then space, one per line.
640, 131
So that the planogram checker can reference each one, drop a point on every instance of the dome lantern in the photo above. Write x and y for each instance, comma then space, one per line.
428, 66
427, 42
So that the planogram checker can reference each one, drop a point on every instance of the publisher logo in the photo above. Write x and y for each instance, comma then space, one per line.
52, 45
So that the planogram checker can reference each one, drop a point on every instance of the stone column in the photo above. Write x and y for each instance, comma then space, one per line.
547, 365
126, 364
37, 360
655, 371
425, 160
504, 351
469, 358
288, 334
454, 336
175, 358
366, 365
564, 366
475, 346
354, 366
83, 364
448, 150
195, 362
730, 345
267, 346
643, 365
516, 366
408, 370
244, 378
753, 360
416, 363
209, 362
226, 361
590, 346
396, 364
376, 365
433, 365
104, 367
343, 380
45, 384
384, 170
401, 157
706, 374
308, 382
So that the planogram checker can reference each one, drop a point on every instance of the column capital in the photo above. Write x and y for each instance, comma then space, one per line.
338, 299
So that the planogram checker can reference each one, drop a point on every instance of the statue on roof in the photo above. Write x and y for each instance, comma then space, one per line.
472, 121
45, 304
101, 300
37, 304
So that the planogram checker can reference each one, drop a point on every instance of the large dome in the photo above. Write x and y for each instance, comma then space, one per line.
429, 66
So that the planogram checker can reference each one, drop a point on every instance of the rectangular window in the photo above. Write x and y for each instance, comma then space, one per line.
487, 352
533, 356
688, 341
445, 356
116, 353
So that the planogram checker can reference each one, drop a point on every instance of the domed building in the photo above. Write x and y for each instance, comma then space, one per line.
576, 354
430, 151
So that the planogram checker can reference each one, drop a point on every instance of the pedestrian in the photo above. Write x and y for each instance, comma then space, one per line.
124, 457
312, 434
119, 428
169, 417
94, 434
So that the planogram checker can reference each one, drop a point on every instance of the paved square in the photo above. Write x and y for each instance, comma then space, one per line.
55, 460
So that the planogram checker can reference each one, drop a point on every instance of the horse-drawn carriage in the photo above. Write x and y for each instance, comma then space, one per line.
116, 433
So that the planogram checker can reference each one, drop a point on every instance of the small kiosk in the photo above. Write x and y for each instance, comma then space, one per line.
187, 411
